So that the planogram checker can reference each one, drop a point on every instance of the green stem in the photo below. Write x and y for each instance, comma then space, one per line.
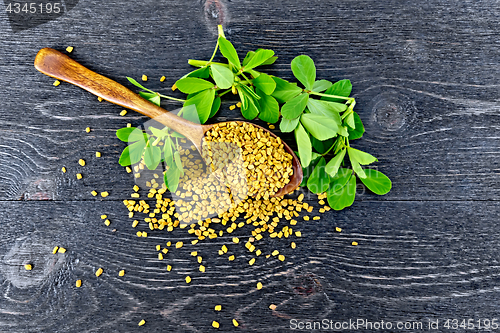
215, 51
349, 99
225, 92
203, 63
172, 98
245, 77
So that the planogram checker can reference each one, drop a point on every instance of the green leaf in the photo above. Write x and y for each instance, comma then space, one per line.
322, 146
377, 182
215, 107
356, 167
171, 178
191, 85
288, 125
223, 76
340, 179
333, 166
304, 70
132, 153
321, 85
152, 157
269, 107
339, 88
349, 120
190, 113
249, 108
152, 97
137, 84
328, 109
202, 73
131, 134
304, 145
168, 152
265, 83
285, 90
249, 56
321, 127
158, 132
178, 162
270, 61
249, 91
308, 171
360, 156
319, 180
294, 107
203, 102
344, 197
358, 130
258, 58
229, 52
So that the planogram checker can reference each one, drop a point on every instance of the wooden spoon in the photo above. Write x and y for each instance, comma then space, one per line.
58, 65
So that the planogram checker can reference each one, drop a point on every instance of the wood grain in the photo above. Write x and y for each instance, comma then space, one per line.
426, 81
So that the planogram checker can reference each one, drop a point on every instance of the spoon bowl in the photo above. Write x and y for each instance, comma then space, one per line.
58, 65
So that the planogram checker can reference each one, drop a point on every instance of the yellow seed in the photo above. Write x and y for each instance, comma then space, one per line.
128, 169
202, 268
121, 273
136, 188
235, 323
338, 229
160, 256
224, 248
78, 283
142, 322
272, 127
169, 268
56, 83
354, 243
232, 107
258, 252
236, 240
123, 112
165, 250
28, 267
231, 258
215, 324
194, 241
69, 49
144, 234
135, 195
94, 193
158, 247
218, 307
135, 223
98, 272
174, 87
107, 222
293, 245
98, 154
321, 202
306, 218
63, 169
81, 162
194, 253
301, 197
79, 176
54, 250
61, 250
251, 262
162, 78
169, 243
298, 234
178, 245
144, 77
104, 217
238, 104
272, 307
100, 99
316, 218
188, 279
259, 285
104, 194
281, 257
129, 125
131, 215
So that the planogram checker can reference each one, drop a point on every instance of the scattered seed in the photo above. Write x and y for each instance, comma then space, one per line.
188, 279
94, 193
162, 78
215, 324
28, 267
281, 257
107, 222
272, 307
98, 154
61, 250
178, 245
54, 250
231, 258
235, 323
142, 322
316, 218
293, 245
275, 252
99, 272
128, 169
338, 229
306, 218
100, 99
354, 243
272, 127
144, 77
69, 49
298, 234
169, 268
78, 283
251, 262
123, 112
79, 176
160, 256
121, 273
259, 285
56, 83
63, 169
202, 268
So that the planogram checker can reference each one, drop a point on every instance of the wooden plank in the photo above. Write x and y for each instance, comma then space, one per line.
415, 261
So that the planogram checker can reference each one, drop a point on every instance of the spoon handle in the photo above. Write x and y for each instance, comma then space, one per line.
58, 65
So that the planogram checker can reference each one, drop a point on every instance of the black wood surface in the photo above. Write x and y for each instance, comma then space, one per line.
426, 78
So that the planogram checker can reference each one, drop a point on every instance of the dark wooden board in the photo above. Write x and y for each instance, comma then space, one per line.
426, 81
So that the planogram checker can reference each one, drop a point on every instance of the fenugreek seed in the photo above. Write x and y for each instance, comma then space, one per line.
81, 162
79, 176
272, 127
298, 234
144, 234
135, 195
130, 215
202, 268
69, 49
188, 279
301, 197
94, 193
28, 267
321, 202
160, 256
354, 243
135, 223
129, 125
128, 169
238, 104
236, 240
103, 217
235, 323
121, 273
194, 253
231, 258
272, 307
107, 222
165, 250
306, 218
169, 243
100, 99
259, 285
174, 87
281, 257
232, 107
78, 283
338, 229
169, 268
99, 272
316, 218
158, 247
54, 250
56, 83
142, 322
293, 245
275, 252
194, 241
218, 307
258, 252
123, 112
178, 245
139, 234
61, 250
251, 262
144, 77
63, 169
215, 324
162, 78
